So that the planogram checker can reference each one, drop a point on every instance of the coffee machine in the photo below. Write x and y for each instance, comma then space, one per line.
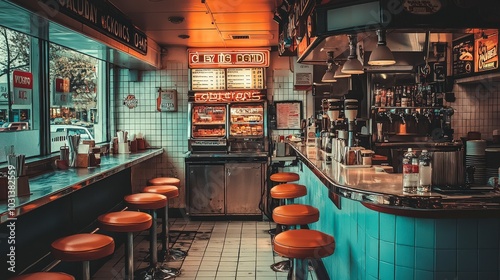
350, 112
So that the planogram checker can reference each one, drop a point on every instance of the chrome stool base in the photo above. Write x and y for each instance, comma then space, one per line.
157, 273
173, 255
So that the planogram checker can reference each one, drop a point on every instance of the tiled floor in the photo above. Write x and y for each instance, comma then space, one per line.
217, 250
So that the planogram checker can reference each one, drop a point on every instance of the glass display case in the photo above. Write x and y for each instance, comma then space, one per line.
246, 120
208, 121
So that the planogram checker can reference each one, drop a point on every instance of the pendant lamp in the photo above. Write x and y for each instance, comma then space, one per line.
352, 65
381, 55
338, 73
328, 76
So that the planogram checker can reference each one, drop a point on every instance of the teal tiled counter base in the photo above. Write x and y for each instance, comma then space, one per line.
373, 245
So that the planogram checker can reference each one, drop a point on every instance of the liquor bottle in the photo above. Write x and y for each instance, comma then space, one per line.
404, 96
397, 96
410, 171
377, 97
424, 172
390, 97
383, 97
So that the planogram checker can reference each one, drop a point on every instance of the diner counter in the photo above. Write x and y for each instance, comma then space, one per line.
382, 191
57, 184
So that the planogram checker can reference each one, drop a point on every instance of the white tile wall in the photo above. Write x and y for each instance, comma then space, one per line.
477, 108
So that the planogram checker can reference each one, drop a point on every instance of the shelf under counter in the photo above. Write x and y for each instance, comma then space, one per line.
51, 186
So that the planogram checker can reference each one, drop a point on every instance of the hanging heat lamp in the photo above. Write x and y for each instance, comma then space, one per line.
381, 55
352, 65
328, 76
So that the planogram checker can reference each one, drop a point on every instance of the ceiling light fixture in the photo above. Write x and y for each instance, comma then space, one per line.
328, 76
176, 19
352, 65
338, 73
381, 55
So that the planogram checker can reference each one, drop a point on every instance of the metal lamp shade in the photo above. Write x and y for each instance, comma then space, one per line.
381, 55
328, 77
339, 75
353, 66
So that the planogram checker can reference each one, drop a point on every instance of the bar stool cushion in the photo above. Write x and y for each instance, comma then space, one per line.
125, 221
286, 191
146, 201
284, 177
295, 214
164, 181
304, 244
83, 247
170, 191
44, 276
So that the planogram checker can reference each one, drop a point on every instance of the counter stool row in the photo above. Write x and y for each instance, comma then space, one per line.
86, 247
300, 245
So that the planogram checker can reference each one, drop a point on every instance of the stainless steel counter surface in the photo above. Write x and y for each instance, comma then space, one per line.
54, 185
375, 186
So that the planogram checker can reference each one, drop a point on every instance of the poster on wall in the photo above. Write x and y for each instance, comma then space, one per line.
288, 114
463, 56
23, 88
62, 97
486, 53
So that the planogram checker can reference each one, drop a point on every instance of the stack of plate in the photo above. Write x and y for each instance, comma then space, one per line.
476, 156
492, 162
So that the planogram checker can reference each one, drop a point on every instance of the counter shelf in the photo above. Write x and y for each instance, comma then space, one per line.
384, 192
51, 186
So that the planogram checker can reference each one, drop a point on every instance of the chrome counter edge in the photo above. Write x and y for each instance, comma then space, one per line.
54, 185
377, 187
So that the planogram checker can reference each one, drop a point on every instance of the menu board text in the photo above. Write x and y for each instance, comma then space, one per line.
228, 96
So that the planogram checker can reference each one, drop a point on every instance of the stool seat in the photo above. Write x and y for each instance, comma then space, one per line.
304, 244
295, 214
164, 181
287, 191
44, 276
83, 247
284, 177
170, 191
125, 221
146, 201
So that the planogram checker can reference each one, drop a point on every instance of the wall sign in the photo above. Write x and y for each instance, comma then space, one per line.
23, 87
62, 97
103, 17
130, 101
486, 53
463, 56
167, 100
228, 58
288, 114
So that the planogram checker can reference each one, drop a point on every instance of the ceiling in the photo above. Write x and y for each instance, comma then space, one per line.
208, 23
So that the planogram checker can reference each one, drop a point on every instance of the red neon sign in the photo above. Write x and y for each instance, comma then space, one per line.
228, 96
228, 58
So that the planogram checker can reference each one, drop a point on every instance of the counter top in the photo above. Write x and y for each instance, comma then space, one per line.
54, 185
374, 186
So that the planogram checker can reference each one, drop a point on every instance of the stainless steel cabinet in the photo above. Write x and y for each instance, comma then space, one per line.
225, 188
244, 183
206, 189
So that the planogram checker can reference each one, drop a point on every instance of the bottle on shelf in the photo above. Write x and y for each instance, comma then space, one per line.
424, 172
397, 96
377, 96
405, 96
410, 171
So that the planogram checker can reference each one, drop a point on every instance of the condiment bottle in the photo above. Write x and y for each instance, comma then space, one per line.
410, 172
424, 172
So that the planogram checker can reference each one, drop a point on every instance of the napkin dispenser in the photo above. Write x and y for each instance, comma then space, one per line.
11, 187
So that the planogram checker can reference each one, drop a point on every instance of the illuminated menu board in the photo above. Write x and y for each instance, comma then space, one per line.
208, 79
245, 78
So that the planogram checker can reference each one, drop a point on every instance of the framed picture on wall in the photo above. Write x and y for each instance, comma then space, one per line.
288, 114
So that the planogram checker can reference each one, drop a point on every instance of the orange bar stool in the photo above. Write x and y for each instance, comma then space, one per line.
301, 245
285, 193
44, 276
129, 222
284, 177
291, 216
166, 253
170, 181
151, 202
83, 247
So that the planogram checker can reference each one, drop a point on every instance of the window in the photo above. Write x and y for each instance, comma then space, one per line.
75, 95
18, 98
